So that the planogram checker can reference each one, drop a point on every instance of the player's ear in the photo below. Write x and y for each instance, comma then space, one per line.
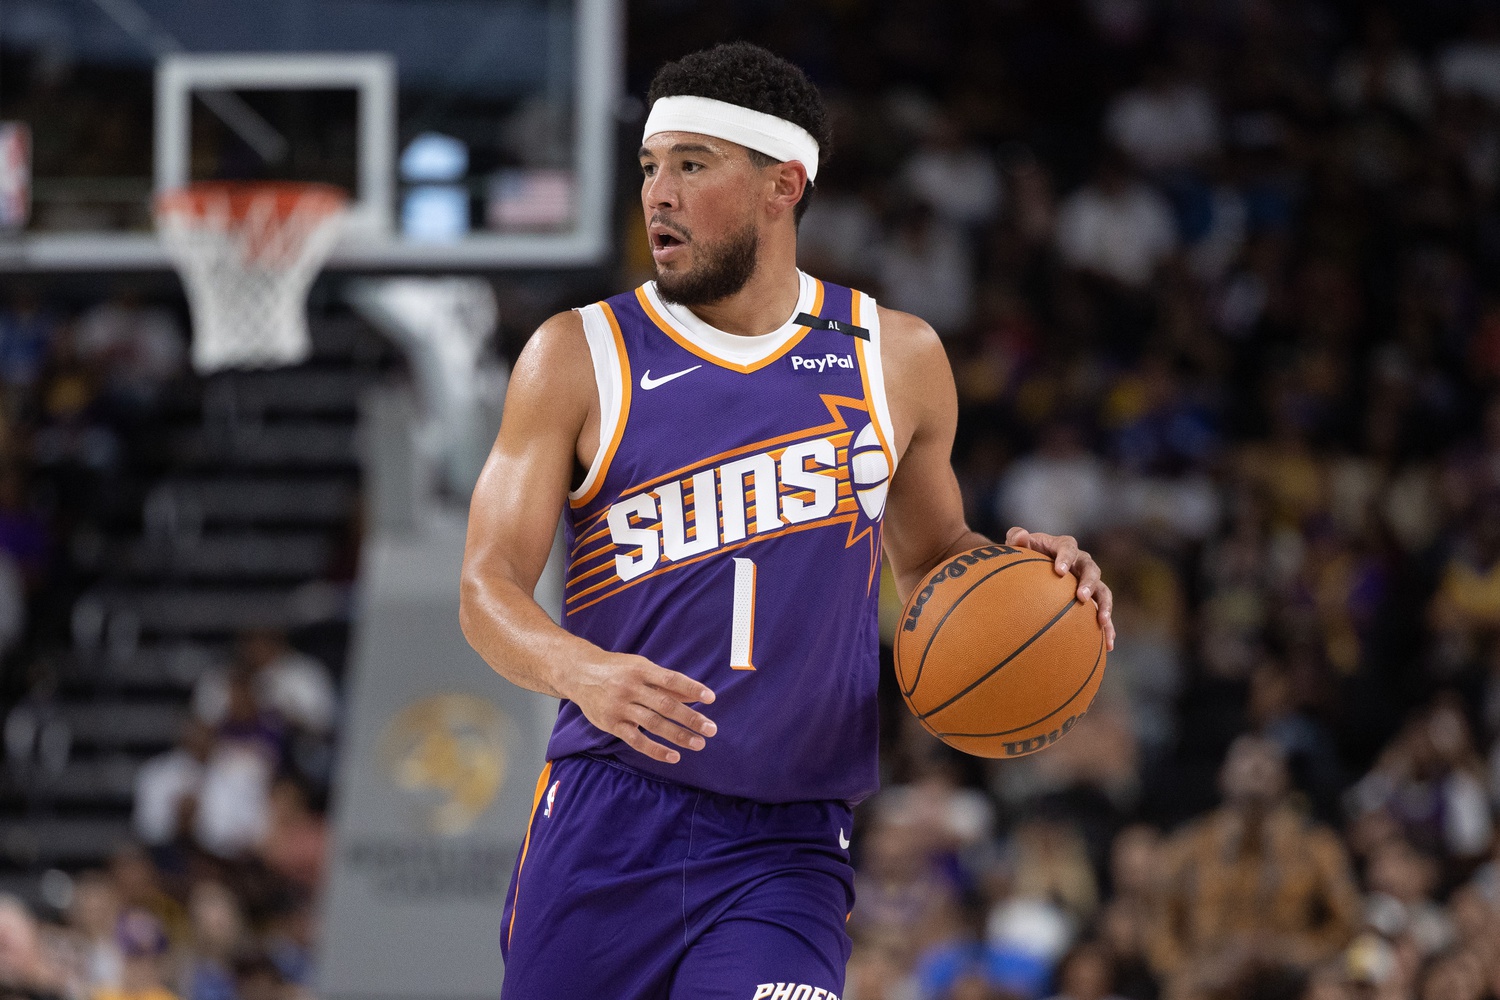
788, 181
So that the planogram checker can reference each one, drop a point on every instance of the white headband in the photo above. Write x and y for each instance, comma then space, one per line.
776, 137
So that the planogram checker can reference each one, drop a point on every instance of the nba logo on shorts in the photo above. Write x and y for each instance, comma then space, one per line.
551, 794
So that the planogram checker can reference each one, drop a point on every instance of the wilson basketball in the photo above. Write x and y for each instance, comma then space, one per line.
995, 655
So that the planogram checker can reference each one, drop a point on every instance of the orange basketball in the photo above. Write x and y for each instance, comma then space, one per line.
995, 655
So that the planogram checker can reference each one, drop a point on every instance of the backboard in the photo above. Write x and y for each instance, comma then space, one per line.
469, 134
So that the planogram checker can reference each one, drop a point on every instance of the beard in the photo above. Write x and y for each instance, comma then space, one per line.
722, 270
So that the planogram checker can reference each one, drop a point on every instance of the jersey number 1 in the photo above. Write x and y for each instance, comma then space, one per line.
742, 631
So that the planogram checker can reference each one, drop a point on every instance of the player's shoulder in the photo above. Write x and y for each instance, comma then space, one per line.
911, 352
558, 340
555, 362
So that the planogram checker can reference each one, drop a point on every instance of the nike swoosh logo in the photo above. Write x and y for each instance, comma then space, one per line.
843, 840
648, 383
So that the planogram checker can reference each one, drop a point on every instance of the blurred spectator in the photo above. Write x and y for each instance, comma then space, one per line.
1304, 741
1430, 781
841, 235
1470, 64
959, 182
136, 348
1125, 926
218, 935
93, 955
138, 882
296, 840
257, 978
1402, 881
925, 267
25, 973
1086, 973
878, 970
211, 789
233, 810
1328, 982
1383, 73
1252, 882
1458, 976
1052, 866
1147, 666
167, 787
286, 681
898, 885
26, 332
290, 939
24, 533
1168, 122
1061, 489
144, 944
1116, 227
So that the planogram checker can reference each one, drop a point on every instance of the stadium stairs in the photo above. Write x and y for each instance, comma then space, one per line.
242, 511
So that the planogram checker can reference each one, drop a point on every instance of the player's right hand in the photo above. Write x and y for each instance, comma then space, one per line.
628, 697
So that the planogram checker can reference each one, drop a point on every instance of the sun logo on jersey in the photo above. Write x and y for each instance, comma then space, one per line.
831, 475
869, 471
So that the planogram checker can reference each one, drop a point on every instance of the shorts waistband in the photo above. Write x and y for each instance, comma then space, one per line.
657, 779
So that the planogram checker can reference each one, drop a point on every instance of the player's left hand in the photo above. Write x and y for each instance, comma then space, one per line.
1067, 557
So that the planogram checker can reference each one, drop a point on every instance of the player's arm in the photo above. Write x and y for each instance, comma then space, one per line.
550, 403
924, 514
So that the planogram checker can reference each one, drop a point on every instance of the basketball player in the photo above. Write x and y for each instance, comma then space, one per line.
732, 447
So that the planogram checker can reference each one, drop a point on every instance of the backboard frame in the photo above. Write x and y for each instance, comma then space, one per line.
372, 76
370, 244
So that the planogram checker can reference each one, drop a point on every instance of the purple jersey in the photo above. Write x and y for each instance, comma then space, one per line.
772, 603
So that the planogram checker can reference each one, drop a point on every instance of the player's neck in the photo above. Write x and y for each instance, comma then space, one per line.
765, 303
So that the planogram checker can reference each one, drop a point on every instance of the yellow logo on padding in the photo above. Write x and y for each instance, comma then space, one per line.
451, 744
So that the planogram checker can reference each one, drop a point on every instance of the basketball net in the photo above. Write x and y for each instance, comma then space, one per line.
247, 254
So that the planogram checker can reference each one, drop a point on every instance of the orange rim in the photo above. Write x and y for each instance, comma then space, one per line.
239, 197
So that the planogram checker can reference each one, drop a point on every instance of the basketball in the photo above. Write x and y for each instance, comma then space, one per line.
995, 655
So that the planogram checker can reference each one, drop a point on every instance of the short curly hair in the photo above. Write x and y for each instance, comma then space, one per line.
755, 78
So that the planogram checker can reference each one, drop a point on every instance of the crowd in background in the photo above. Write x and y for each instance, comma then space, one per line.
213, 898
1220, 284
78, 390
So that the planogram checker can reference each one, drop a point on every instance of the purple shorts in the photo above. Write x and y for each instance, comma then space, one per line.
634, 888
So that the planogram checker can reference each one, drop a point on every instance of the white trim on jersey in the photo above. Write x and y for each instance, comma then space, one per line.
605, 354
732, 347
869, 318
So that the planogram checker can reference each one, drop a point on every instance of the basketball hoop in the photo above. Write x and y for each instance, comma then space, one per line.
248, 253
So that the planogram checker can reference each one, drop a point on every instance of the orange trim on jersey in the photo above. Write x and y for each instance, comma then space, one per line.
536, 802
594, 519
614, 444
606, 564
709, 356
578, 546
864, 378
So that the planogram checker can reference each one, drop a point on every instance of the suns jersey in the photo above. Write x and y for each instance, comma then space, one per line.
729, 528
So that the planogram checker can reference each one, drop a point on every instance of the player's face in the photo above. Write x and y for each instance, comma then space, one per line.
699, 196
